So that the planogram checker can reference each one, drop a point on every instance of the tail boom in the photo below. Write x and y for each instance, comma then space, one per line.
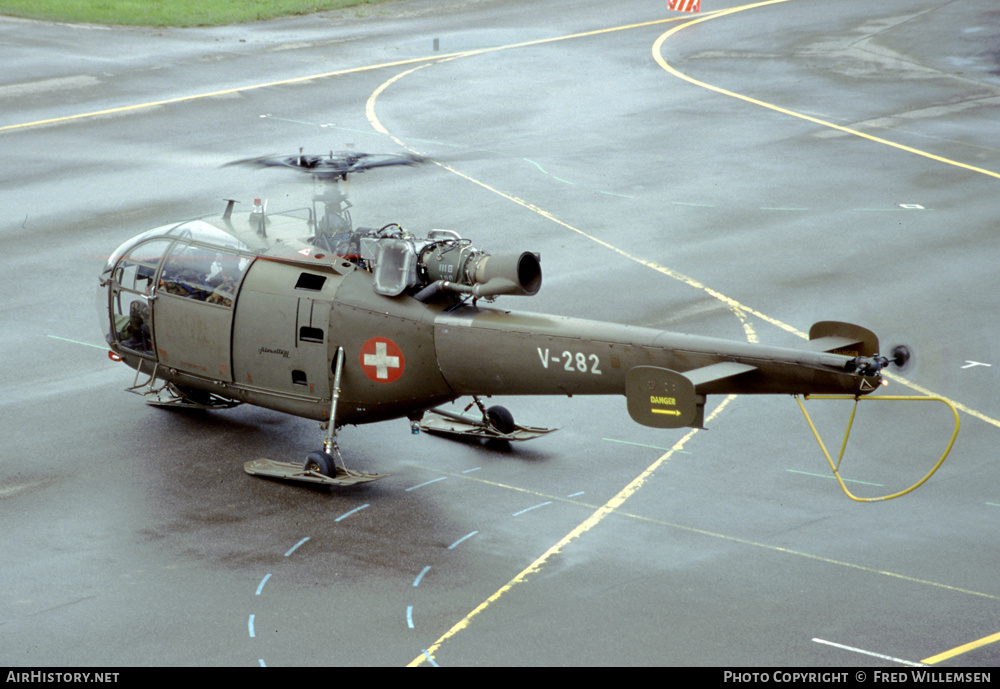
531, 354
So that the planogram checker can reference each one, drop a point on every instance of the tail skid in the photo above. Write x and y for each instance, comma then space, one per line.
835, 466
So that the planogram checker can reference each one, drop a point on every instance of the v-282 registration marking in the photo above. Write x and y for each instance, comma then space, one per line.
574, 362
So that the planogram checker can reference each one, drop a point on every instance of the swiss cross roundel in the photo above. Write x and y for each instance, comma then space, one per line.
382, 360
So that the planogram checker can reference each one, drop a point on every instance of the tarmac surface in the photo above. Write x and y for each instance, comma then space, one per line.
742, 176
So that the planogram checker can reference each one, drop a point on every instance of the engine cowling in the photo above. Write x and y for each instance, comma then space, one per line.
444, 262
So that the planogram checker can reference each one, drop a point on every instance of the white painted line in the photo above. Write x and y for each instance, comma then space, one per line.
869, 653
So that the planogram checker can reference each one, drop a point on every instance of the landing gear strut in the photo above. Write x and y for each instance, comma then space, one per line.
324, 466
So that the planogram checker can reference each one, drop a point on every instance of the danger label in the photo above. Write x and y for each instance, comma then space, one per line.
382, 360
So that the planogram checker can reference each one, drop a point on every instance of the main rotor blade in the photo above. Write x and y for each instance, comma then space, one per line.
339, 164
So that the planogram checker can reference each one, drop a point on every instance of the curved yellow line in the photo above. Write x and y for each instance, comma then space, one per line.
211, 94
657, 45
738, 308
323, 75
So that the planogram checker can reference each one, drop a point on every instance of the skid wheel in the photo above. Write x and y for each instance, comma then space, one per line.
321, 462
500, 419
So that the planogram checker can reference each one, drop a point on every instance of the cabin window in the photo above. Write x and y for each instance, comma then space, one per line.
311, 282
307, 334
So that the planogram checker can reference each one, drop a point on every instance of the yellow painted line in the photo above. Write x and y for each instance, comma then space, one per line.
613, 505
742, 541
326, 75
896, 378
213, 94
593, 520
959, 650
739, 309
770, 106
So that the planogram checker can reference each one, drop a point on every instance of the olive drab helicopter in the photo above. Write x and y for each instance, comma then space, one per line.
301, 312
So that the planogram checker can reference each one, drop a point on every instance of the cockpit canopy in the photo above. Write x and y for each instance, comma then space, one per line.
192, 259
150, 247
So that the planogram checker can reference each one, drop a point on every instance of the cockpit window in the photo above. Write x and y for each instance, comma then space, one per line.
143, 259
203, 274
134, 282
195, 231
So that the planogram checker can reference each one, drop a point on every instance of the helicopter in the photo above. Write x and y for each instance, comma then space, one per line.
301, 312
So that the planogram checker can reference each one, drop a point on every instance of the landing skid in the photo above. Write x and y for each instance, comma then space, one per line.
169, 395
287, 471
496, 423
324, 466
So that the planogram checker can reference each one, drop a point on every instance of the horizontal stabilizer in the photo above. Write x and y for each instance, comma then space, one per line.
842, 338
720, 371
661, 398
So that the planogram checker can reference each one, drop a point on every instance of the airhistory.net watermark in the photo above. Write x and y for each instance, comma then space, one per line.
42, 676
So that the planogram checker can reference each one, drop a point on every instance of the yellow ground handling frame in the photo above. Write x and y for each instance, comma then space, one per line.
835, 466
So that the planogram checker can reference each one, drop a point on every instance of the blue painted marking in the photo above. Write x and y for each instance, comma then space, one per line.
250, 626
345, 515
430, 659
517, 514
611, 193
426, 483
463, 538
85, 344
296, 546
416, 582
409, 616
469, 471
263, 581
575, 495
651, 447
260, 661
536, 165
846, 480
